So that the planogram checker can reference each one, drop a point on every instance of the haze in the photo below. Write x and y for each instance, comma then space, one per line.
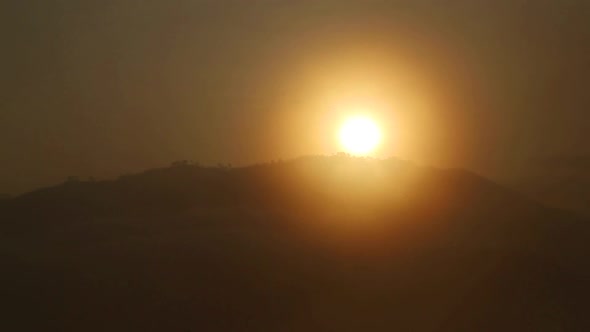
104, 88
284, 165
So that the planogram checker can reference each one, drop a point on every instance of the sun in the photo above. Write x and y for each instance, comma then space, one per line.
359, 135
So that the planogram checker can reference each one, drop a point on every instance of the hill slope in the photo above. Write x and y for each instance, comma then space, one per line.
318, 244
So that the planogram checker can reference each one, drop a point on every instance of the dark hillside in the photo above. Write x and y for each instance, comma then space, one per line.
317, 244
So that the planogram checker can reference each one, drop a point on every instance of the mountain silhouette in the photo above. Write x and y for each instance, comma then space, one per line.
317, 243
563, 182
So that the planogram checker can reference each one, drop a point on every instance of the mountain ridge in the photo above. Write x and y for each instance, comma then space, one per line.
318, 242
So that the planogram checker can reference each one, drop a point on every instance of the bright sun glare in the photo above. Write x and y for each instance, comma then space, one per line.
359, 135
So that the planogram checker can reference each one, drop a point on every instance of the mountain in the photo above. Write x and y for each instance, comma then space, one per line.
317, 244
559, 181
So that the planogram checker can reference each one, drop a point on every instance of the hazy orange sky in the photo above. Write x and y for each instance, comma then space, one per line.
100, 88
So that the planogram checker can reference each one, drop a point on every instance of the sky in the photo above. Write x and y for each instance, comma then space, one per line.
103, 88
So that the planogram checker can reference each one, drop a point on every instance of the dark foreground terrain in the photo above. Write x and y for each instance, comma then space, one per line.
315, 244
